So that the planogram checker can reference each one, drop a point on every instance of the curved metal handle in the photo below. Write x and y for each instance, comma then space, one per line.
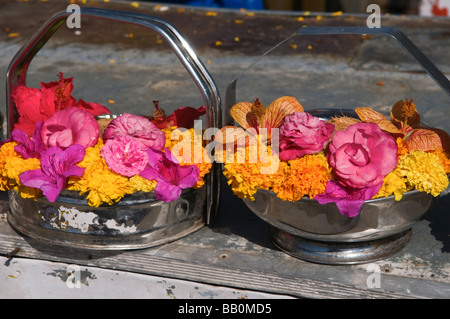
400, 37
17, 72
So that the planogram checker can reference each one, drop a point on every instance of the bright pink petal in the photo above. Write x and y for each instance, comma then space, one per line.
34, 178
70, 126
167, 192
188, 176
124, 156
349, 201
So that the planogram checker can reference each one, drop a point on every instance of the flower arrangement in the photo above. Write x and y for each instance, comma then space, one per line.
343, 160
60, 143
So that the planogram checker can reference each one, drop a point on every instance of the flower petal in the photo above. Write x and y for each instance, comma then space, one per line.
188, 176
73, 154
167, 192
239, 113
94, 108
34, 178
279, 109
51, 191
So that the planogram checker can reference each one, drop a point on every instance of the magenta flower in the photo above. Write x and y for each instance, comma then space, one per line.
125, 156
171, 177
137, 127
362, 155
302, 134
29, 147
348, 200
70, 126
57, 166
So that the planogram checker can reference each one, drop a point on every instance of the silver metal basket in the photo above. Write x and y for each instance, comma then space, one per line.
318, 233
137, 221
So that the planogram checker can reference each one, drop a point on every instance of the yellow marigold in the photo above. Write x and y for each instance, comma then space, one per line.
394, 184
6, 153
247, 176
424, 172
12, 164
306, 176
168, 132
141, 184
101, 184
16, 166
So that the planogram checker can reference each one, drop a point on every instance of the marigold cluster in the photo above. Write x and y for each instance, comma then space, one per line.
419, 170
292, 180
305, 177
12, 164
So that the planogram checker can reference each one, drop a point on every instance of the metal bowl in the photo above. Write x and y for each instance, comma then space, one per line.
137, 221
319, 233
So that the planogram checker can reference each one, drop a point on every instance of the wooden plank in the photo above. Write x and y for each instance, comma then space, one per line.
243, 269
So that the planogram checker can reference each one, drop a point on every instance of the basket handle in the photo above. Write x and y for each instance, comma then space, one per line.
400, 37
17, 72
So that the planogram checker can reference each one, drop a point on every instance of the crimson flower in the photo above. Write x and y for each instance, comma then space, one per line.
183, 117
35, 105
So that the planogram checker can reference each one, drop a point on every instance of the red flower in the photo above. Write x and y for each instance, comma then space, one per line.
183, 117
35, 105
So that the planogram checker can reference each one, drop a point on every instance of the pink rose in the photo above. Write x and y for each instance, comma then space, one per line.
125, 156
70, 126
362, 155
302, 134
137, 127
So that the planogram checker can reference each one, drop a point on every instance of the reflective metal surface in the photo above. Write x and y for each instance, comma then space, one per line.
144, 221
137, 221
309, 219
335, 253
319, 233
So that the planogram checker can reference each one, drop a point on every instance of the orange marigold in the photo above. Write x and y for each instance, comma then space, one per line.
444, 159
402, 148
306, 176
